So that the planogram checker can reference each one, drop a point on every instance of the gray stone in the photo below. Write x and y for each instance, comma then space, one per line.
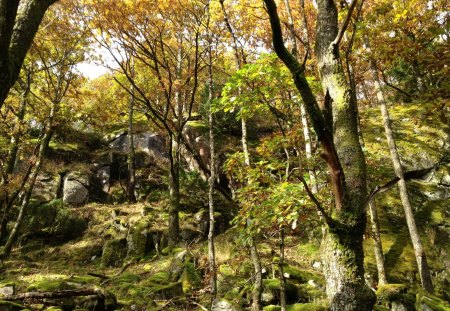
224, 305
46, 187
151, 144
75, 189
398, 306
7, 290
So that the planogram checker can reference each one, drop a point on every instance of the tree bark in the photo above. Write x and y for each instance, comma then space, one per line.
419, 252
281, 276
131, 151
212, 176
19, 22
378, 247
336, 129
257, 285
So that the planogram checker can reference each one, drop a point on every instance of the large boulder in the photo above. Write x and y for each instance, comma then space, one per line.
114, 253
46, 187
152, 144
75, 189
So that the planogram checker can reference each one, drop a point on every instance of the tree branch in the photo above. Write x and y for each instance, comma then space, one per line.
345, 24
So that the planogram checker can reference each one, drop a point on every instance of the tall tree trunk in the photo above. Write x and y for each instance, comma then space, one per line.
212, 176
174, 191
419, 252
336, 129
256, 260
281, 276
18, 25
175, 157
257, 285
131, 150
378, 247
5, 202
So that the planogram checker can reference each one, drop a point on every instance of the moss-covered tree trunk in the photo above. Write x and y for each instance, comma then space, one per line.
336, 127
19, 22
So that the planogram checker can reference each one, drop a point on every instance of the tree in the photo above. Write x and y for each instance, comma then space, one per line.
57, 77
19, 22
336, 128
166, 53
421, 259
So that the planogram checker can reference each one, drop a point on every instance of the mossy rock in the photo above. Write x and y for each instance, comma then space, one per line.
427, 302
273, 286
307, 307
10, 306
114, 252
380, 308
190, 278
272, 308
159, 278
302, 276
50, 286
54, 309
167, 291
138, 239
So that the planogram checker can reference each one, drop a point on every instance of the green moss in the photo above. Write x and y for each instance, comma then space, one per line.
190, 279
272, 308
292, 292
54, 309
10, 306
159, 278
433, 302
302, 276
226, 270
390, 291
49, 286
380, 308
307, 307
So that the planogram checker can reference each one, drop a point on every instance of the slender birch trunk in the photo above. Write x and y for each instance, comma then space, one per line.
378, 246
419, 252
212, 177
256, 260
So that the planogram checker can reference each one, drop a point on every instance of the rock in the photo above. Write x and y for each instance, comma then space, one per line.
114, 252
138, 240
151, 144
398, 306
190, 278
75, 189
224, 305
7, 290
271, 287
168, 291
177, 265
103, 176
47, 187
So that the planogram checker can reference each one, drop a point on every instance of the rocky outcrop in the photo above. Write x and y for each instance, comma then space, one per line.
152, 144
76, 188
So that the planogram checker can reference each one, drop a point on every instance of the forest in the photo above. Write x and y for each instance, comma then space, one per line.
224, 155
